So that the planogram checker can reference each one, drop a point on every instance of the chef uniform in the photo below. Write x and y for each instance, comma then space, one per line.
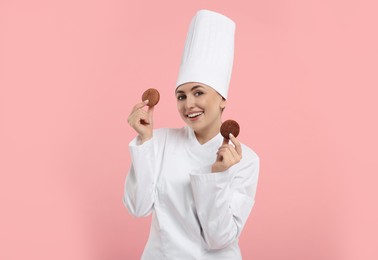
196, 214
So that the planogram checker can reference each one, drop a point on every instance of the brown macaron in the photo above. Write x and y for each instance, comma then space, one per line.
152, 95
230, 126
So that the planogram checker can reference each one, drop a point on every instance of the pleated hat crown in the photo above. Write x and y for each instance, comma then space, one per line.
209, 52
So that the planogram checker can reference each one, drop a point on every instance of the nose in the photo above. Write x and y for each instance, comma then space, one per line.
189, 102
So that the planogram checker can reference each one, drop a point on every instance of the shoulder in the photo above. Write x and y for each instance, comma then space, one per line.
247, 170
170, 133
249, 164
249, 154
169, 138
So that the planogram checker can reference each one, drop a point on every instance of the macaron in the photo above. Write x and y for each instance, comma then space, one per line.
229, 126
152, 95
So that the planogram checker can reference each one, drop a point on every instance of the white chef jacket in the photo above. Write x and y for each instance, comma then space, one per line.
196, 214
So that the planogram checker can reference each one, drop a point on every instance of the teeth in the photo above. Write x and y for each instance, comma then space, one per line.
194, 115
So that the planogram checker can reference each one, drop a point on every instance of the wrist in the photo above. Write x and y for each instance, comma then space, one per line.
143, 139
215, 169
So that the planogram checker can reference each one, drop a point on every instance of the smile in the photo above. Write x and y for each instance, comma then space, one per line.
193, 115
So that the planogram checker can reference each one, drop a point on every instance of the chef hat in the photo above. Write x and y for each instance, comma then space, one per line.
209, 51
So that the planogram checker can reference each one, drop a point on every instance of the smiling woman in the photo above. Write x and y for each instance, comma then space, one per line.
201, 108
199, 188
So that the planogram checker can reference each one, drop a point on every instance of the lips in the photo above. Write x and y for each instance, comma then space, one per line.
194, 114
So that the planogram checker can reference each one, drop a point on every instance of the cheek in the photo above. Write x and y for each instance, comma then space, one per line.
179, 106
201, 101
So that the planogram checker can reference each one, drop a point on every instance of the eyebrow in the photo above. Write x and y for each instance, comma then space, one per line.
193, 88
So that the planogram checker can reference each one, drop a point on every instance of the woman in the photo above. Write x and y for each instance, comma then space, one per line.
199, 188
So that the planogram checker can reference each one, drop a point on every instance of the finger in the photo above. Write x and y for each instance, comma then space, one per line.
225, 146
222, 148
144, 118
227, 157
225, 153
133, 118
219, 152
237, 144
230, 156
234, 154
220, 156
137, 117
150, 112
139, 105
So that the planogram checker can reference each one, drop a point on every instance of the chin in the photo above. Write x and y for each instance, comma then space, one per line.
197, 129
192, 126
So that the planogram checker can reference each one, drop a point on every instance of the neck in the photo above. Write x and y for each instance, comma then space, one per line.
207, 134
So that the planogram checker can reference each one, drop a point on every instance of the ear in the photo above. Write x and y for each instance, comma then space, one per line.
223, 103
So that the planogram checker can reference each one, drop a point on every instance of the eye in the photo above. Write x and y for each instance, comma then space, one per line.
198, 93
181, 97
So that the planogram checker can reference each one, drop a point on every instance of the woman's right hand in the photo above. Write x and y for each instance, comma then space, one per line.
142, 120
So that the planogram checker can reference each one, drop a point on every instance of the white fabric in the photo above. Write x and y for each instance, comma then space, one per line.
209, 51
196, 214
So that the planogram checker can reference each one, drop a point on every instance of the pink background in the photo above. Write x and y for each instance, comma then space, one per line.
304, 90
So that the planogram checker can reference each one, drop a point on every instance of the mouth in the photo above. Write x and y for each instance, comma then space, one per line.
194, 116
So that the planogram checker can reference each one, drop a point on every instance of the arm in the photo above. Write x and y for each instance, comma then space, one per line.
141, 180
224, 200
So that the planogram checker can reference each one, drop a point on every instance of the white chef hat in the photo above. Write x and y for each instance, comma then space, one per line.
209, 51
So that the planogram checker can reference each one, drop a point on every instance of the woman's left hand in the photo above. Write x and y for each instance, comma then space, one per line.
227, 155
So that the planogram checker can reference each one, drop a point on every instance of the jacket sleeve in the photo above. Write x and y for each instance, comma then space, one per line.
224, 200
139, 189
